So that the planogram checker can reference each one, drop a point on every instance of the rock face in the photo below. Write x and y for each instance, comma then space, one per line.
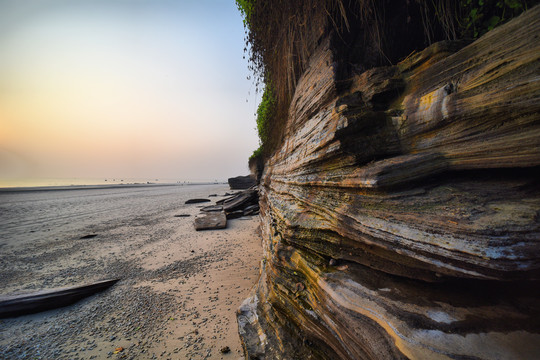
241, 182
401, 215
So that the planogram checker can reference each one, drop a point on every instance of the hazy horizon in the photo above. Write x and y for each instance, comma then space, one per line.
108, 89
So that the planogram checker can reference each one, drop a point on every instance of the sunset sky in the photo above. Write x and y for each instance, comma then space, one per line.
124, 88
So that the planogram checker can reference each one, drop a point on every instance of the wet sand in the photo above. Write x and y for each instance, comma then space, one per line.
178, 293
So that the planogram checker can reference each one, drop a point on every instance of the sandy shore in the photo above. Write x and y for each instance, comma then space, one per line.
176, 300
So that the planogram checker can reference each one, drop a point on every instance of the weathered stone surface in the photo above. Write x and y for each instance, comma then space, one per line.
401, 216
242, 182
210, 221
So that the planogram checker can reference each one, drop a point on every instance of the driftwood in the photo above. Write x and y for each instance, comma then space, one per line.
16, 305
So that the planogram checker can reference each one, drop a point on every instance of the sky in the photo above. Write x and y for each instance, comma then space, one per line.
124, 88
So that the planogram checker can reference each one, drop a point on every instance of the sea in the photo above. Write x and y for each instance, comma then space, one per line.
31, 214
41, 182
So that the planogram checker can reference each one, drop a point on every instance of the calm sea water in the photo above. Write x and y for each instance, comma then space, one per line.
36, 215
40, 182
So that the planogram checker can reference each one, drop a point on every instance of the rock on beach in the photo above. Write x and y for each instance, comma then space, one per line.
211, 221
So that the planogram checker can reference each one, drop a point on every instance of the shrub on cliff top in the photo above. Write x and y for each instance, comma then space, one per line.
265, 113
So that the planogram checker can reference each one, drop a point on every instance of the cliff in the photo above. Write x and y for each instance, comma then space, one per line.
400, 214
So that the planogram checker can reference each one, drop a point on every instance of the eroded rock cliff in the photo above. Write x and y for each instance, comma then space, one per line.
401, 215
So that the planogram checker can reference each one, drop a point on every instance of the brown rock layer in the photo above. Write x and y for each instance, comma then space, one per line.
401, 215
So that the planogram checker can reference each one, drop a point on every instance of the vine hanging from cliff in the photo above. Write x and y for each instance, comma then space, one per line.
281, 35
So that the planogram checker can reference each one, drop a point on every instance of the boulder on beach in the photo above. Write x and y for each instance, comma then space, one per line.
195, 201
241, 182
210, 221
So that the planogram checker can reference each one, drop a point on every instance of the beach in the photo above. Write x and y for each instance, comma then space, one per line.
178, 291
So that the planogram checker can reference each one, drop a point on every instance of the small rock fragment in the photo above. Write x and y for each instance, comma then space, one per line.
332, 262
195, 201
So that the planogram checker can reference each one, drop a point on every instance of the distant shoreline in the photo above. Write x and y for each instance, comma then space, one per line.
91, 187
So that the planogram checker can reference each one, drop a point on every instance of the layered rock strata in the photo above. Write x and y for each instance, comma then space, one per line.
401, 215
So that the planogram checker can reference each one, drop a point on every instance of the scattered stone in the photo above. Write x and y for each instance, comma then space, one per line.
241, 182
225, 350
212, 208
89, 236
235, 214
212, 195
211, 221
182, 215
222, 201
241, 201
252, 207
251, 210
195, 201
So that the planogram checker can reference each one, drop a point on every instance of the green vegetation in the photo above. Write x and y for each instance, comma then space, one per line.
480, 16
246, 9
256, 153
267, 108
265, 113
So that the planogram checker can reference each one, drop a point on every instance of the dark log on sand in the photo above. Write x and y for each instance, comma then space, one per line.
11, 306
